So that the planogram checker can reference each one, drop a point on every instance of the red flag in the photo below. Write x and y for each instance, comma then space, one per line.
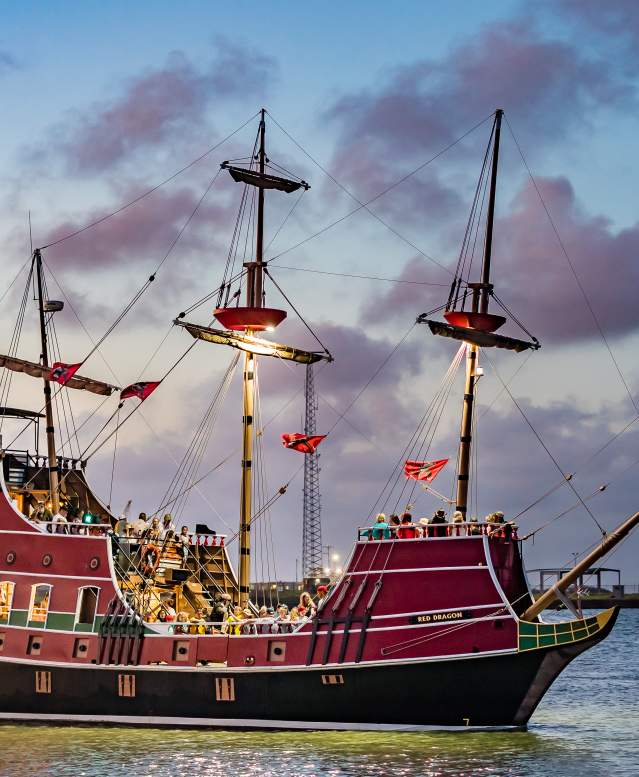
424, 470
140, 390
62, 373
303, 443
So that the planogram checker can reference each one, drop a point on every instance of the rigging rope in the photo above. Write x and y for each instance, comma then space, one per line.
364, 277
299, 315
151, 190
574, 271
153, 275
545, 447
364, 205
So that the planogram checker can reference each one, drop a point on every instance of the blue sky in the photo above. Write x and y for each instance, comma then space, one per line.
371, 90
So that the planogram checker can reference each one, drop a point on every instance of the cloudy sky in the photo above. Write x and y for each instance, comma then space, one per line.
100, 104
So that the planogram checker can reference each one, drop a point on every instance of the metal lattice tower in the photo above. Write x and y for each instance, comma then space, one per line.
312, 528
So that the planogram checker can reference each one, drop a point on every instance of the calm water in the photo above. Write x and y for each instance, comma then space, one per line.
587, 726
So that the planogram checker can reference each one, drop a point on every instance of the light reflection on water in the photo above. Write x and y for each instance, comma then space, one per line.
585, 727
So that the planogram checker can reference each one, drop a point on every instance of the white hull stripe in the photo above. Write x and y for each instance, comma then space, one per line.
223, 668
8, 573
480, 567
143, 720
335, 632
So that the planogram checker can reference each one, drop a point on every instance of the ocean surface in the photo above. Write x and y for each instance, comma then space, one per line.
586, 726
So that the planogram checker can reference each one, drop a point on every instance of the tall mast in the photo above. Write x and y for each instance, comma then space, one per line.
259, 243
254, 289
481, 294
51, 452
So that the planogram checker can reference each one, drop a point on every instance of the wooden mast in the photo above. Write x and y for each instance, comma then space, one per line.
254, 294
51, 451
481, 293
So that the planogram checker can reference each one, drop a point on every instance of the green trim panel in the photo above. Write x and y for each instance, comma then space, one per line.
533, 636
18, 618
61, 621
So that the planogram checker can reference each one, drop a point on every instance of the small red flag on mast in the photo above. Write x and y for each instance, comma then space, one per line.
62, 373
424, 470
140, 390
303, 443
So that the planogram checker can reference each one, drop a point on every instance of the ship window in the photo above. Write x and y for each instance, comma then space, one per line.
126, 685
332, 679
181, 650
1, 642
224, 689
6, 598
39, 606
81, 648
43, 682
276, 651
34, 645
87, 605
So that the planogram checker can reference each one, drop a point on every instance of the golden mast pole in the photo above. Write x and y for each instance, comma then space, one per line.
481, 293
254, 291
51, 452
465, 434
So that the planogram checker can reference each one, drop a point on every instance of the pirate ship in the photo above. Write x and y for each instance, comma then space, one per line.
432, 631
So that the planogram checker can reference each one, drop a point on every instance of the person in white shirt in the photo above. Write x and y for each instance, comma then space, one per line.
60, 521
168, 528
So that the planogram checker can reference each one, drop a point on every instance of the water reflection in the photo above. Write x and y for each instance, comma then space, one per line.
584, 728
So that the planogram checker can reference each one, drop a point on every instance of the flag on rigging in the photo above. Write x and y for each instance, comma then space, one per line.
424, 470
140, 390
304, 443
62, 373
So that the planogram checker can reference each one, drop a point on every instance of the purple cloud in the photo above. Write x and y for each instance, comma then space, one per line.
527, 256
548, 87
423, 106
161, 104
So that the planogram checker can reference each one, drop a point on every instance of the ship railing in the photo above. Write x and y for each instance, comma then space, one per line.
250, 626
506, 530
85, 529
203, 540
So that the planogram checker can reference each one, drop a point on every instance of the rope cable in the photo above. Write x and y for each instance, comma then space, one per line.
137, 199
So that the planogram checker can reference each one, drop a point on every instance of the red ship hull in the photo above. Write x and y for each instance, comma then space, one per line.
419, 633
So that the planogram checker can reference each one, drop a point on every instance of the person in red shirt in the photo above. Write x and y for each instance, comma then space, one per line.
406, 529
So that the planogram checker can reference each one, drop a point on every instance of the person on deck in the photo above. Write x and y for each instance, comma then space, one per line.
139, 526
184, 543
474, 529
394, 524
406, 530
167, 531
198, 616
232, 625
322, 593
154, 531
380, 529
438, 524
306, 608
422, 527
497, 526
458, 529
60, 521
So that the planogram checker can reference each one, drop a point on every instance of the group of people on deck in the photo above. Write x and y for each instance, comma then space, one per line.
402, 527
223, 618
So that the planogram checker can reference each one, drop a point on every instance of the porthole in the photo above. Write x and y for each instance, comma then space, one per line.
10, 557
249, 660
46, 560
94, 563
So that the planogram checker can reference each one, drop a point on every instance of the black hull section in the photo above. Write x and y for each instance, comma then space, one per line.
484, 692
